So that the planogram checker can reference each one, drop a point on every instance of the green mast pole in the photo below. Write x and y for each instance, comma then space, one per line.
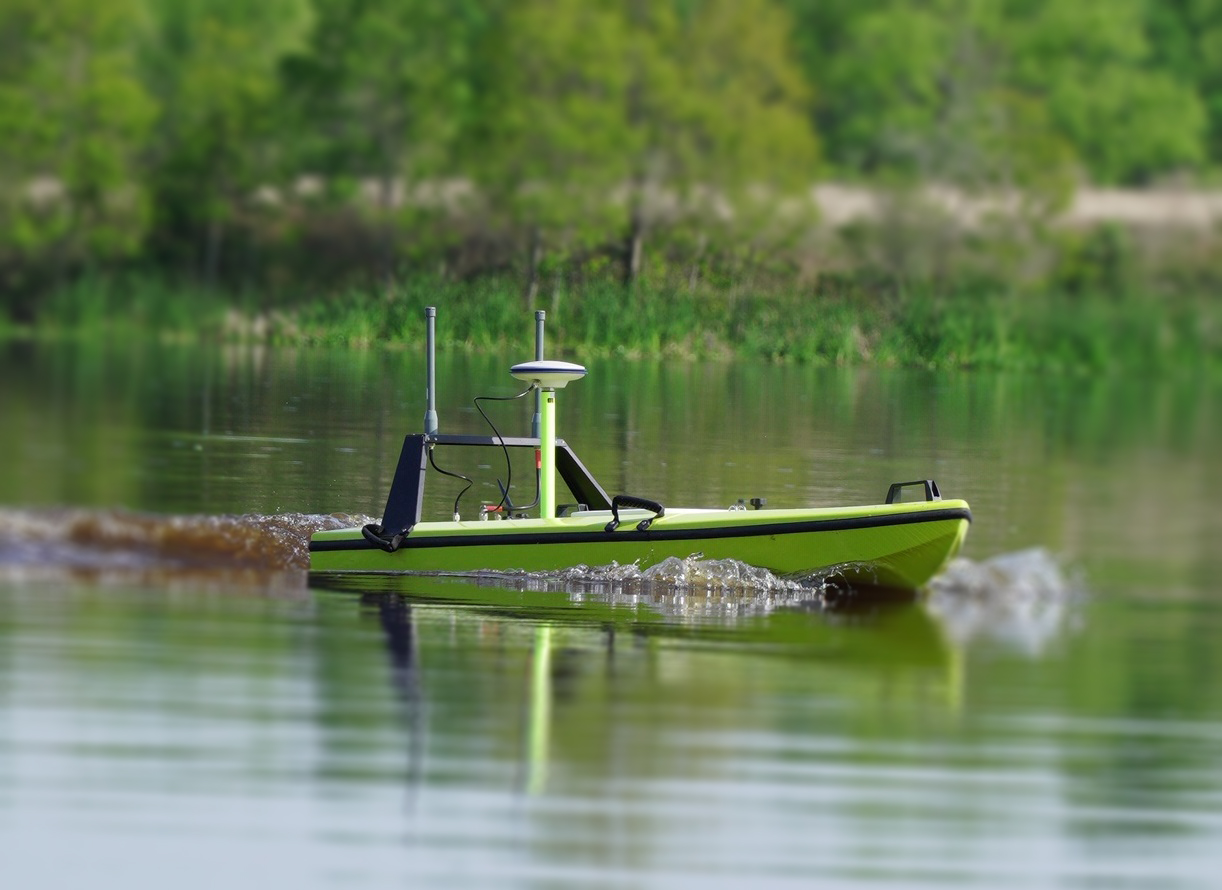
548, 377
547, 455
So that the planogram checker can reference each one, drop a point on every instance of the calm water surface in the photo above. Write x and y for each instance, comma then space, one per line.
179, 708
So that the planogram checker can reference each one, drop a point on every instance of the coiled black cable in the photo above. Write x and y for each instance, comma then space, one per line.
508, 464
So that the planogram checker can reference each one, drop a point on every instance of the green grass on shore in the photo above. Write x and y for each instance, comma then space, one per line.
923, 327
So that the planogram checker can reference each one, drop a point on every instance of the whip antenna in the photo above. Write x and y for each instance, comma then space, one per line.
535, 422
430, 371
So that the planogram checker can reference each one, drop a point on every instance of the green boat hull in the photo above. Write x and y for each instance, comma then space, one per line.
887, 545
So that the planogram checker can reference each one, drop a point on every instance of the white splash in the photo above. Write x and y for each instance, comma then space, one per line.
1026, 599
691, 588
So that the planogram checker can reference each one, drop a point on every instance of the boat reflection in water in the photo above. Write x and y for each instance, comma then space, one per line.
575, 671
579, 659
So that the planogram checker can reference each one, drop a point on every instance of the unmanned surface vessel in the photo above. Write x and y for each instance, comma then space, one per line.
892, 545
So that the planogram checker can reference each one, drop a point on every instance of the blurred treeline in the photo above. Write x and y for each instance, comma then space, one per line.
292, 148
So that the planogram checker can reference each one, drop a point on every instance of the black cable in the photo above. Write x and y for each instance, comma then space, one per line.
508, 464
468, 479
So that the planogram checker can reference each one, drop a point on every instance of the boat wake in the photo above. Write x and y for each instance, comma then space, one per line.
692, 573
81, 541
691, 588
1025, 599
120, 546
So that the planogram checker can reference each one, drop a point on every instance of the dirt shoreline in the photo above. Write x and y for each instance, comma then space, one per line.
1199, 209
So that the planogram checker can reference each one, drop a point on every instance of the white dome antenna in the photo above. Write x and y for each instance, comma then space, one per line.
548, 374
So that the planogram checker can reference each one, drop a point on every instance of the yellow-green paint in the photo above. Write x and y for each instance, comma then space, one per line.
547, 456
903, 555
540, 709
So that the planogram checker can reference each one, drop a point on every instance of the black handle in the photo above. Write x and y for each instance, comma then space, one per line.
931, 490
628, 500
380, 537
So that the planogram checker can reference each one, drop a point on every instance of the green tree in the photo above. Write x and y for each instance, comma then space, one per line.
718, 113
214, 65
653, 110
549, 141
1186, 43
384, 85
926, 91
967, 91
1091, 63
73, 120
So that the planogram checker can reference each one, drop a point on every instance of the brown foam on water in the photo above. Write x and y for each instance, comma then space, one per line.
84, 540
